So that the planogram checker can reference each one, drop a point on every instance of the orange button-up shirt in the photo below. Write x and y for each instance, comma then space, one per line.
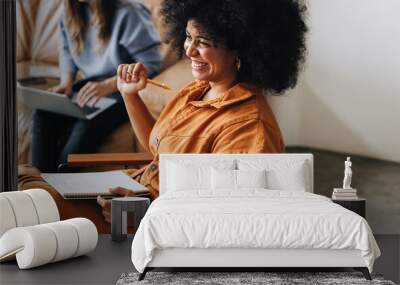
239, 121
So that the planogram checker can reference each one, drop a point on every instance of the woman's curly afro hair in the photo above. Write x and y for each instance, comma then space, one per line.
268, 35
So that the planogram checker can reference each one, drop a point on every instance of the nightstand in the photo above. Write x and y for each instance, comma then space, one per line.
356, 205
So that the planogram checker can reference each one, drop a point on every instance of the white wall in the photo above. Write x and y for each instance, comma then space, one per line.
348, 97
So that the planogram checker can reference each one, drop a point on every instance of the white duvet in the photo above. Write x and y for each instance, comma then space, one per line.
252, 218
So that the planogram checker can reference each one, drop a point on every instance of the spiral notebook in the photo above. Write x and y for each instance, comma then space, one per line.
91, 184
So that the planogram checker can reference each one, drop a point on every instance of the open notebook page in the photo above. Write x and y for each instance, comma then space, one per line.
90, 185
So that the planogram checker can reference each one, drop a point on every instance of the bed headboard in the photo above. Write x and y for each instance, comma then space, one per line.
238, 161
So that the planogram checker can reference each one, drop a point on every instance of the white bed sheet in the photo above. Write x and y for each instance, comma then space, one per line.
251, 218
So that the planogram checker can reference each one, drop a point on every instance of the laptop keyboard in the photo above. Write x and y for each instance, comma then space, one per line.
87, 110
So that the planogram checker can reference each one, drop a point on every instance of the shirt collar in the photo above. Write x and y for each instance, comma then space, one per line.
237, 93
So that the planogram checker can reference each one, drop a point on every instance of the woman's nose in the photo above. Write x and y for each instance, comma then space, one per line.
191, 49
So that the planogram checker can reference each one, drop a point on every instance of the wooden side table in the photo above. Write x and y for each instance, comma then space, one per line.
355, 205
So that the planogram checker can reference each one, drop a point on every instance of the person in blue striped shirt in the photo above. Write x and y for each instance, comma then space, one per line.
95, 37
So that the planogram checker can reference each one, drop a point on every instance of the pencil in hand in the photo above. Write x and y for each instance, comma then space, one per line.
161, 85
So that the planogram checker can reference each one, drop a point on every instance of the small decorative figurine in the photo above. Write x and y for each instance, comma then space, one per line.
347, 192
347, 174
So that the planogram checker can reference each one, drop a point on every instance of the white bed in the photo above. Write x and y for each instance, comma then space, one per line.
201, 219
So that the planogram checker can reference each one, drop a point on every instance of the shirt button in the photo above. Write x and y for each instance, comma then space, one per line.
153, 167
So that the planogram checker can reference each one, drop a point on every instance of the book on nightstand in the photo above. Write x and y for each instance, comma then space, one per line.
344, 194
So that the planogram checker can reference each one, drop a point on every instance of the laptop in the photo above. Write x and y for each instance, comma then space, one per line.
59, 103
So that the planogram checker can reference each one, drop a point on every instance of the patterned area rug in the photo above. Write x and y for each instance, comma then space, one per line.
243, 278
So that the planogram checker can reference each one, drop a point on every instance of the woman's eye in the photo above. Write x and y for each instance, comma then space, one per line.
200, 43
204, 44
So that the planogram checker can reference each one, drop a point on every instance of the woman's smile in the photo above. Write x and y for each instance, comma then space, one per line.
210, 62
199, 66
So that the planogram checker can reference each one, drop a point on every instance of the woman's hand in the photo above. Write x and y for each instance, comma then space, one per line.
63, 88
92, 92
131, 78
106, 203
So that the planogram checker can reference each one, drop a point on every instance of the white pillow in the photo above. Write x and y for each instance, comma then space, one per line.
293, 179
223, 179
280, 175
183, 178
251, 178
237, 179
186, 175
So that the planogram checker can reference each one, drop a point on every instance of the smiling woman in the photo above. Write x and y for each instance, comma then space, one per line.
237, 49
267, 36
210, 62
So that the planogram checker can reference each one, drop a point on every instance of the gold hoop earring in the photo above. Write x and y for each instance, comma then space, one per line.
238, 63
